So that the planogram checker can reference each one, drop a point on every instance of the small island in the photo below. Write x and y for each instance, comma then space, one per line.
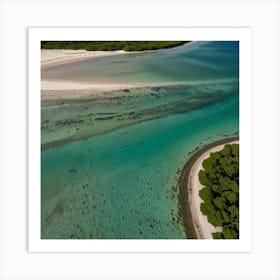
220, 176
209, 191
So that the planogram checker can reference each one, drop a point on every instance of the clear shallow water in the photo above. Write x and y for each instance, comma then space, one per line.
200, 61
123, 184
68, 120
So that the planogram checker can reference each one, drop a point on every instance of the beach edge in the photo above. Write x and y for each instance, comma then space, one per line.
185, 210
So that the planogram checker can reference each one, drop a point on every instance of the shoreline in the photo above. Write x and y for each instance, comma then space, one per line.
187, 203
54, 57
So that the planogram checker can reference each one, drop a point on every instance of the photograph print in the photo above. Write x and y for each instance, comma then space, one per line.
139, 140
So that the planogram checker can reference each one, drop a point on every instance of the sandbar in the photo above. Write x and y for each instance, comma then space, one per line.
67, 89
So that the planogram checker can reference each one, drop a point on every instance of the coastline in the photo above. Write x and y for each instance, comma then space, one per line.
51, 57
54, 57
195, 223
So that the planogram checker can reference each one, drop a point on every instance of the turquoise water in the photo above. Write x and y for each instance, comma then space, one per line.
200, 61
124, 183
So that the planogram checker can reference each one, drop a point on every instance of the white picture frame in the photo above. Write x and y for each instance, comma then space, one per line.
243, 35
261, 17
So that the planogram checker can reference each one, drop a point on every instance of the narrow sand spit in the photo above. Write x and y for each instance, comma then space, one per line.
56, 57
196, 224
95, 87
77, 85
66, 89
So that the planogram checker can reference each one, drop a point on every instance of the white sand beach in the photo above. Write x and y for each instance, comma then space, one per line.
73, 90
56, 57
79, 85
202, 227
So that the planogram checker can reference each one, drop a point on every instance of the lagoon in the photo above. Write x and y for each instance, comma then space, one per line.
122, 183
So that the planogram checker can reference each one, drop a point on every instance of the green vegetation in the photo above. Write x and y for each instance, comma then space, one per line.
221, 193
110, 45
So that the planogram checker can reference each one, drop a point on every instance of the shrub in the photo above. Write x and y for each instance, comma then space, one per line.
221, 192
110, 45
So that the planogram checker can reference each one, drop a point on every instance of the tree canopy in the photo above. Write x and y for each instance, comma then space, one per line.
221, 192
110, 45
